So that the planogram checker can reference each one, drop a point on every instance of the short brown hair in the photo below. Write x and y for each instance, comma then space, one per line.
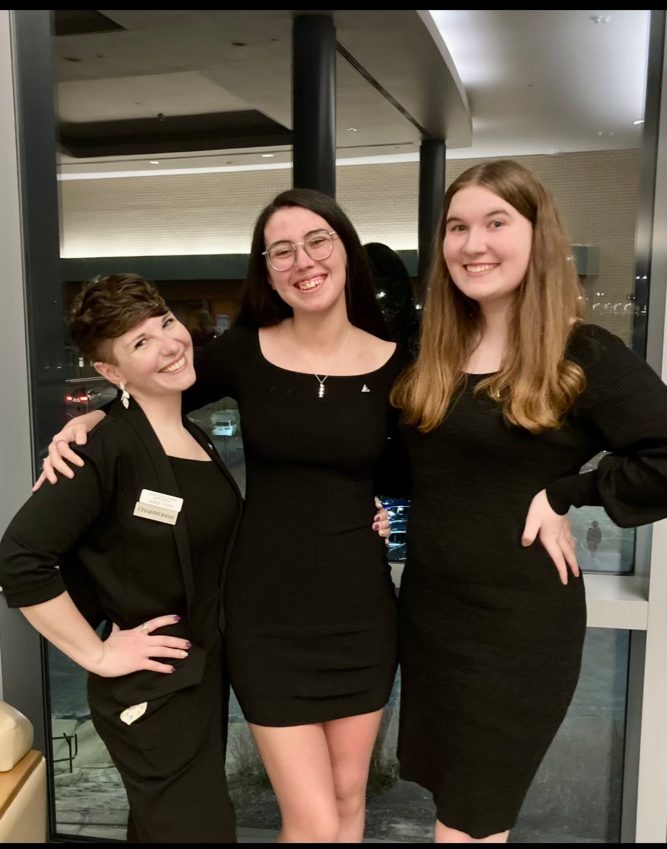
108, 306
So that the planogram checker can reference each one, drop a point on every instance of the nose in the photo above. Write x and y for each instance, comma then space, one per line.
168, 345
475, 242
301, 258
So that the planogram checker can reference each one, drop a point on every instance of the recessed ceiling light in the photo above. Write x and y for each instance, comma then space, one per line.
639, 121
266, 155
154, 161
600, 19
352, 130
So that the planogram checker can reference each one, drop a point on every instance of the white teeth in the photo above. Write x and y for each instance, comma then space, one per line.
175, 366
479, 268
305, 285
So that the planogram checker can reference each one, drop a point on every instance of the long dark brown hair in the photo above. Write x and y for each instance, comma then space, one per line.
261, 306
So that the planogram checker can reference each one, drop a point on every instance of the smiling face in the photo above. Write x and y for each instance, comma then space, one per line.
309, 286
487, 246
153, 359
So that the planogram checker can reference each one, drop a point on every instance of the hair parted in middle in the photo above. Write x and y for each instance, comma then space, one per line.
536, 385
262, 307
107, 307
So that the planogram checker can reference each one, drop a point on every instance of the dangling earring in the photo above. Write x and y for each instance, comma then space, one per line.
124, 395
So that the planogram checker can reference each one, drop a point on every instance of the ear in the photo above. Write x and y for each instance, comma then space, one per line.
109, 372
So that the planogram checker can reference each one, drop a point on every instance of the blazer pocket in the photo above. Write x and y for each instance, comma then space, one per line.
145, 685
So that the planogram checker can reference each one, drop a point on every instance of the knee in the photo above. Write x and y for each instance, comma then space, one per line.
351, 793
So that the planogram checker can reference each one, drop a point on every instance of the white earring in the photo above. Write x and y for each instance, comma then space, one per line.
124, 395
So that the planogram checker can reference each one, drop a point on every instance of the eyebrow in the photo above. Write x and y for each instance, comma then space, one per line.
309, 233
141, 335
488, 215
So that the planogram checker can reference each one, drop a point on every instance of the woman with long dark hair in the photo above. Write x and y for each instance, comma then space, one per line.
310, 607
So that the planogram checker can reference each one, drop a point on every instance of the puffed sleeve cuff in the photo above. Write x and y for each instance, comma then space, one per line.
47, 589
573, 491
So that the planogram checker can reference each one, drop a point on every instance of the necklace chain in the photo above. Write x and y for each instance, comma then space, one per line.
321, 389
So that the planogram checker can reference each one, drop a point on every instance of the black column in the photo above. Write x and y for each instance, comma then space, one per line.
37, 136
314, 103
431, 191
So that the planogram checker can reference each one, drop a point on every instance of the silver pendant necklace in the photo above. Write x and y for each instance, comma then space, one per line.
321, 389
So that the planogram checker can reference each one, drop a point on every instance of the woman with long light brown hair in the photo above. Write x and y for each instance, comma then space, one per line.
510, 395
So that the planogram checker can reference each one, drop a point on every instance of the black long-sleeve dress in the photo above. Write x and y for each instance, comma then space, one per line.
310, 609
490, 640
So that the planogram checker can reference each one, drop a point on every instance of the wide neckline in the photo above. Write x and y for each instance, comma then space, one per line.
329, 376
189, 459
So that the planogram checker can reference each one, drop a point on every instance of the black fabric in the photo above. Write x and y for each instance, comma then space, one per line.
490, 640
141, 569
310, 606
172, 760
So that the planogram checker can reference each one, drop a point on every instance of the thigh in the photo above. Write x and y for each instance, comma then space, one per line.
298, 763
350, 741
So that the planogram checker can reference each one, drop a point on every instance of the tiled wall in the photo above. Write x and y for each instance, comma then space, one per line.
596, 193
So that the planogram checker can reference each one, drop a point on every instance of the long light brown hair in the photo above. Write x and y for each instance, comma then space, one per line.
536, 385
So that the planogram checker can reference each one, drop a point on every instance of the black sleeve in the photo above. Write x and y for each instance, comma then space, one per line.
627, 402
392, 477
43, 533
216, 366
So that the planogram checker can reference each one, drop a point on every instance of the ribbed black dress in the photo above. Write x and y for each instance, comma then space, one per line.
310, 609
490, 640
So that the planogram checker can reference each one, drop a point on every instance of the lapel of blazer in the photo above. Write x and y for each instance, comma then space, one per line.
135, 418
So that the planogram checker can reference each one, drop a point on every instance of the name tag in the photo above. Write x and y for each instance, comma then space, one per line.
157, 514
161, 499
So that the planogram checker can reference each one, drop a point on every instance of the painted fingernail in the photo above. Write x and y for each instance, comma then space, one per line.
172, 669
177, 618
188, 644
375, 526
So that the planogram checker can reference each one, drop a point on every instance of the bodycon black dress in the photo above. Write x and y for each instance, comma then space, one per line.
310, 607
490, 640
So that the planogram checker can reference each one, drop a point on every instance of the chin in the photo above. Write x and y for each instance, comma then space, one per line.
187, 378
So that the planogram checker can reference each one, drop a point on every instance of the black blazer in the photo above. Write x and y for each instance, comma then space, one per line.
81, 536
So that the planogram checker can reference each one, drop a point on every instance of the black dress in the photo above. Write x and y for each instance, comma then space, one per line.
310, 608
490, 640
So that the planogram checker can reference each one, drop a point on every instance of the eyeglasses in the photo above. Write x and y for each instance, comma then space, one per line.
318, 246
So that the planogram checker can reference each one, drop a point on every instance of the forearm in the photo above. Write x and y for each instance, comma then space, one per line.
59, 621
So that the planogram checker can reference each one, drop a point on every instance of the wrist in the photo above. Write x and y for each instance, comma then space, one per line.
93, 661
